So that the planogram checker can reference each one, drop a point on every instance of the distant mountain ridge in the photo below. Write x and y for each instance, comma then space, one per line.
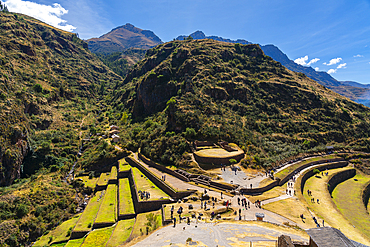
352, 90
122, 38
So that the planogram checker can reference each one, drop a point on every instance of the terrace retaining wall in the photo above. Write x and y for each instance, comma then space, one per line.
339, 178
78, 234
286, 178
162, 168
310, 173
366, 194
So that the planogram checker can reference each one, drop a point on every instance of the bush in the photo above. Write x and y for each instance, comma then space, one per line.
21, 210
316, 171
38, 88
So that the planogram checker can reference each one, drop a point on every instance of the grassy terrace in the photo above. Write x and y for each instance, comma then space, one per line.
98, 237
103, 179
126, 206
144, 184
326, 209
75, 242
113, 173
108, 208
142, 220
291, 168
60, 233
347, 197
123, 165
88, 216
121, 233
89, 182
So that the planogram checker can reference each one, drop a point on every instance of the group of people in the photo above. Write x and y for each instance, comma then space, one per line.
144, 195
309, 192
164, 177
244, 202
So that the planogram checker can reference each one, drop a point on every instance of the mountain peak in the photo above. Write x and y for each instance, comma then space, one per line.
200, 35
122, 38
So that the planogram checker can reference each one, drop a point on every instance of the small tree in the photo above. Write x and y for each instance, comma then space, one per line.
232, 161
316, 171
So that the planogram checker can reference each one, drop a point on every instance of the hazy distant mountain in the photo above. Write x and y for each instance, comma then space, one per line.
201, 35
122, 38
352, 90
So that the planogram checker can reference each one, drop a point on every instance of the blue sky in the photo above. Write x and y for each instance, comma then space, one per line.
329, 35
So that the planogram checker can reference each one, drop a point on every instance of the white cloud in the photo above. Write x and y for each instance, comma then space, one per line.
358, 55
302, 60
342, 66
46, 13
332, 71
317, 68
334, 61
313, 61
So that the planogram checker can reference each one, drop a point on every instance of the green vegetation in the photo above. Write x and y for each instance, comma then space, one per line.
60, 233
103, 179
347, 197
126, 205
98, 237
151, 220
121, 233
89, 181
88, 216
123, 165
75, 242
108, 208
113, 173
144, 184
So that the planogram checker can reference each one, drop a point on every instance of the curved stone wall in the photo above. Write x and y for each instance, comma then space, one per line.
217, 161
366, 195
339, 178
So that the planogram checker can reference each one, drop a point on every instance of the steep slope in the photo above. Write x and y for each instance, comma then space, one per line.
122, 38
49, 81
212, 90
352, 91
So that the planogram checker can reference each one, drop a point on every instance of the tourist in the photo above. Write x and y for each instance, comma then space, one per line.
188, 219
172, 209
238, 201
174, 222
221, 194
318, 201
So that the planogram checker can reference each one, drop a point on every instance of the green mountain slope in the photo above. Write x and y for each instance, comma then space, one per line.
210, 90
49, 82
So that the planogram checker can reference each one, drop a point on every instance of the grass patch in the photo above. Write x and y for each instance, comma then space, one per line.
60, 233
58, 245
291, 168
123, 165
326, 209
98, 237
292, 209
103, 179
126, 206
145, 220
121, 233
75, 242
88, 216
113, 173
108, 208
89, 182
347, 197
144, 184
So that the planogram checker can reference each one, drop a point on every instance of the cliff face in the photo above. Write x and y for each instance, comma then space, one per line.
43, 72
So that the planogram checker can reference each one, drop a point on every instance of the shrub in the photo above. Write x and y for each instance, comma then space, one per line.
316, 171
21, 210
38, 88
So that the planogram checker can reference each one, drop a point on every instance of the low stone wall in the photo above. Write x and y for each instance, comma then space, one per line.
165, 221
79, 234
162, 168
102, 225
260, 190
366, 195
217, 161
124, 174
340, 177
222, 186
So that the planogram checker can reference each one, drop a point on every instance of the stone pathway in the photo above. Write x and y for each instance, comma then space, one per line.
240, 178
212, 234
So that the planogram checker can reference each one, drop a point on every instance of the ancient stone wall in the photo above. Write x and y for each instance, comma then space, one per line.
340, 177
217, 161
366, 195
